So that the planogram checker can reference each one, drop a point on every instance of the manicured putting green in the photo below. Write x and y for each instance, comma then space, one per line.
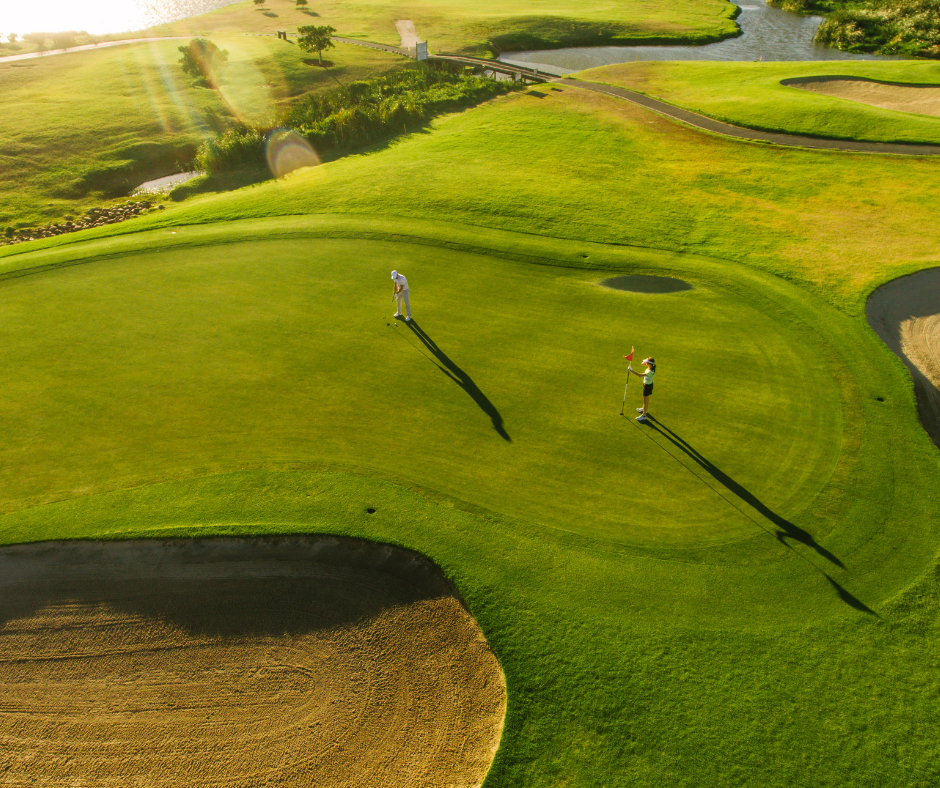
504, 392
689, 603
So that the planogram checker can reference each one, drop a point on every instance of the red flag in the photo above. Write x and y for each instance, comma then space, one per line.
630, 357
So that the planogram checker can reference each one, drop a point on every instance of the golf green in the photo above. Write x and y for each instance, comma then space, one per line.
504, 392
669, 585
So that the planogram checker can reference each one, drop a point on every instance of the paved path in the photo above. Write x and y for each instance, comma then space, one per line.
727, 130
84, 47
373, 45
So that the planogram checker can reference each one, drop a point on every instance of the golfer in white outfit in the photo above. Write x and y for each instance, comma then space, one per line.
401, 293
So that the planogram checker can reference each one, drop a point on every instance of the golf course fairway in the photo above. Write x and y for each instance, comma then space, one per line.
728, 594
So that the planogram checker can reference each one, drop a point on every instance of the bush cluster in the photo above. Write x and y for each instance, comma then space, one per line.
357, 115
886, 27
239, 147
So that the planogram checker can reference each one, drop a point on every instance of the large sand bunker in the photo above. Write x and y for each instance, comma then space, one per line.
905, 313
919, 99
295, 661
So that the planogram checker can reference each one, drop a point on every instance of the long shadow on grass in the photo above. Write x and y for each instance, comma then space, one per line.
786, 529
461, 378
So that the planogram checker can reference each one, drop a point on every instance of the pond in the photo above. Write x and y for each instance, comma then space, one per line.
102, 16
767, 34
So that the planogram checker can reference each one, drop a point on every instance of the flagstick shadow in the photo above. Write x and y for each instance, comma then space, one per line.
461, 378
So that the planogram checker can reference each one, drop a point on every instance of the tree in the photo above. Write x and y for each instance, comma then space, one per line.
259, 2
63, 40
39, 39
301, 3
11, 37
203, 59
315, 39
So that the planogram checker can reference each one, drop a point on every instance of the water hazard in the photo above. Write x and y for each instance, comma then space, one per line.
101, 16
767, 34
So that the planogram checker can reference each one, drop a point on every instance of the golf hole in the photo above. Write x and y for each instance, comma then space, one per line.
641, 283
880, 399
370, 510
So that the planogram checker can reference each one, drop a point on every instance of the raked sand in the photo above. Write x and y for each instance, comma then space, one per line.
290, 662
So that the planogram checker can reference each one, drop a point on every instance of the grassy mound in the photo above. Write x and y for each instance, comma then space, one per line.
719, 590
758, 100
565, 162
89, 126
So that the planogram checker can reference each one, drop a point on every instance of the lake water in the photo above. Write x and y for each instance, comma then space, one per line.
98, 16
768, 34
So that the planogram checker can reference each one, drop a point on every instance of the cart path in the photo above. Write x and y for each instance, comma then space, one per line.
752, 135
85, 47
373, 45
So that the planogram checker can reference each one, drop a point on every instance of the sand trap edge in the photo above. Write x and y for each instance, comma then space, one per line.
887, 309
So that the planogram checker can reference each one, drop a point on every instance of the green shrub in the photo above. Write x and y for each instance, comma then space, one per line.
234, 149
360, 114
886, 27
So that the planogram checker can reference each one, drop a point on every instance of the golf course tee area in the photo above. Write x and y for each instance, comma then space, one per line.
257, 529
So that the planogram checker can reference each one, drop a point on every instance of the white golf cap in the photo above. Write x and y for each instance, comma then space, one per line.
394, 274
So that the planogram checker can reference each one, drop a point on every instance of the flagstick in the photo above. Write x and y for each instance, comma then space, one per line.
625, 393
629, 370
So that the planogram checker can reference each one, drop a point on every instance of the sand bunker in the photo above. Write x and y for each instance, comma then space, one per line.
905, 313
301, 661
647, 284
919, 99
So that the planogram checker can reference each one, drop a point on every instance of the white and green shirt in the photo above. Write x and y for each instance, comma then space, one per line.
648, 376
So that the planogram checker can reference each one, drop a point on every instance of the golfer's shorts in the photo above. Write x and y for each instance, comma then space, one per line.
647, 389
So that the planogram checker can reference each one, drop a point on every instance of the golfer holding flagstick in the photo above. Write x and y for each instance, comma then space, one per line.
648, 374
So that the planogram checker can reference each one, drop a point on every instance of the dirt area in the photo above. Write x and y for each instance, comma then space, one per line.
905, 313
639, 283
919, 99
409, 36
295, 661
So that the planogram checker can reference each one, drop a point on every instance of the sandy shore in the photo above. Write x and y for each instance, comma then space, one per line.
905, 313
296, 661
919, 99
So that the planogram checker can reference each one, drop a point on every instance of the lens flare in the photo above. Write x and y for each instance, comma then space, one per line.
288, 151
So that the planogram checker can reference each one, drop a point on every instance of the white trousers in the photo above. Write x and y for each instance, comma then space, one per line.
403, 296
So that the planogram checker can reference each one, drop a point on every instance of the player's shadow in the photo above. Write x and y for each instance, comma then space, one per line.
786, 529
461, 378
